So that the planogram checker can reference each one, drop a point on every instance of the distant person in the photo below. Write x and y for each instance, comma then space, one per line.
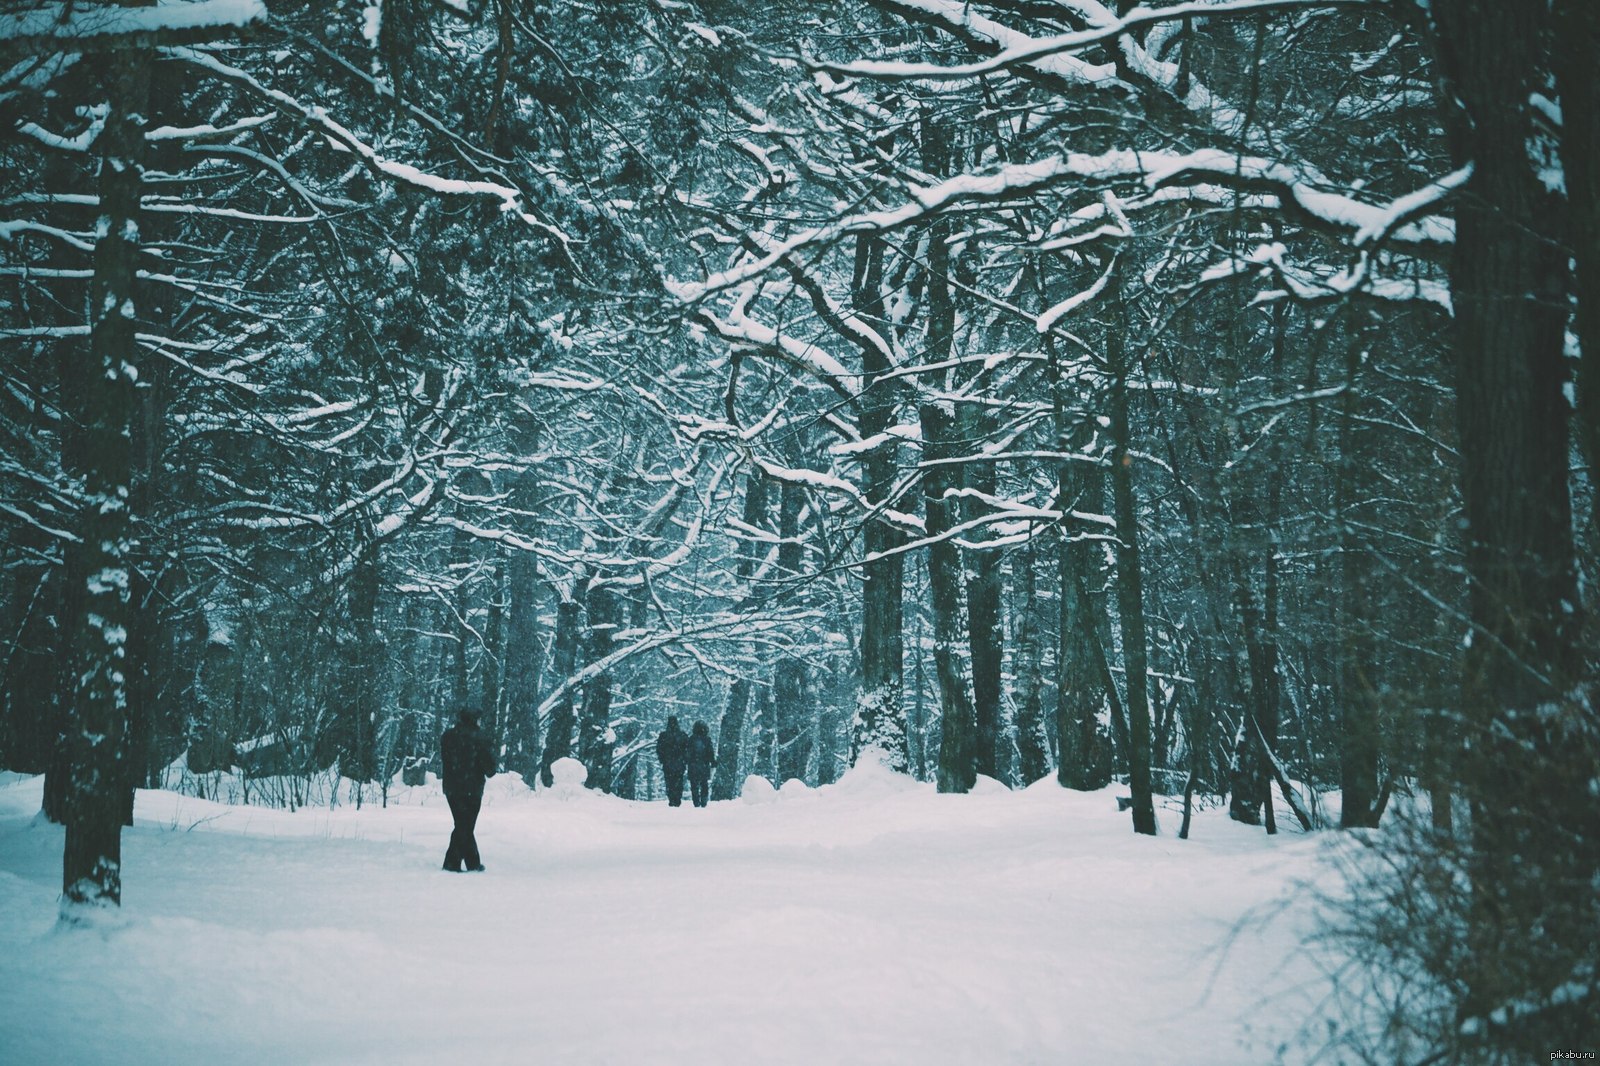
672, 747
464, 750
701, 758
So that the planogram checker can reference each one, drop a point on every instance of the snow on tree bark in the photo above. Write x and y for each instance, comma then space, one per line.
957, 766
98, 732
941, 480
985, 625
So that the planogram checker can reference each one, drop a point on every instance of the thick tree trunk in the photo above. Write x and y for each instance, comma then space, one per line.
760, 733
1509, 277
522, 665
919, 723
794, 719
161, 666
957, 764
792, 703
149, 659
1130, 585
363, 702
1083, 679
563, 722
523, 655
1257, 742
985, 632
1033, 752
880, 720
74, 578
1081, 683
460, 663
1358, 694
1576, 44
1130, 603
626, 772
958, 758
27, 730
1528, 766
725, 780
596, 737
494, 657
98, 632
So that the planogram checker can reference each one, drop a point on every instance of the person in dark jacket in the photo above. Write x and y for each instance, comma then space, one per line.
464, 750
701, 757
672, 747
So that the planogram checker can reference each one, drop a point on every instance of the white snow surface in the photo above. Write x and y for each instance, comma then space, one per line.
870, 921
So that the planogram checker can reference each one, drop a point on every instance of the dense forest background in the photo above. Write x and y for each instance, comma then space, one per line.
1175, 394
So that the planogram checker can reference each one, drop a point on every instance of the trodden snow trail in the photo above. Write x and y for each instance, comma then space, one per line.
872, 921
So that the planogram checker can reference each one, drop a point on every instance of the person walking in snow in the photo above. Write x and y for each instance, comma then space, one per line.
464, 750
672, 747
701, 758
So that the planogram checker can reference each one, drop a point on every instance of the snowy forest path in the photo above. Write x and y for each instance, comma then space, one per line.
861, 924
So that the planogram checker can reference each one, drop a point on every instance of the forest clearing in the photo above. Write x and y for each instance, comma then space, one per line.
870, 921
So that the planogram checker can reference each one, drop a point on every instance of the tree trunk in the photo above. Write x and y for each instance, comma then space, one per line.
725, 781
1509, 276
759, 729
1130, 594
793, 708
1082, 687
794, 719
1257, 744
522, 665
460, 664
626, 773
1257, 741
558, 735
958, 758
1576, 44
1358, 695
69, 604
1528, 766
1032, 744
957, 764
596, 738
880, 720
985, 630
362, 702
494, 657
98, 632
27, 728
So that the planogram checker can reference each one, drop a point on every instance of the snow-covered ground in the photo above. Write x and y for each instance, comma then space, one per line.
872, 921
